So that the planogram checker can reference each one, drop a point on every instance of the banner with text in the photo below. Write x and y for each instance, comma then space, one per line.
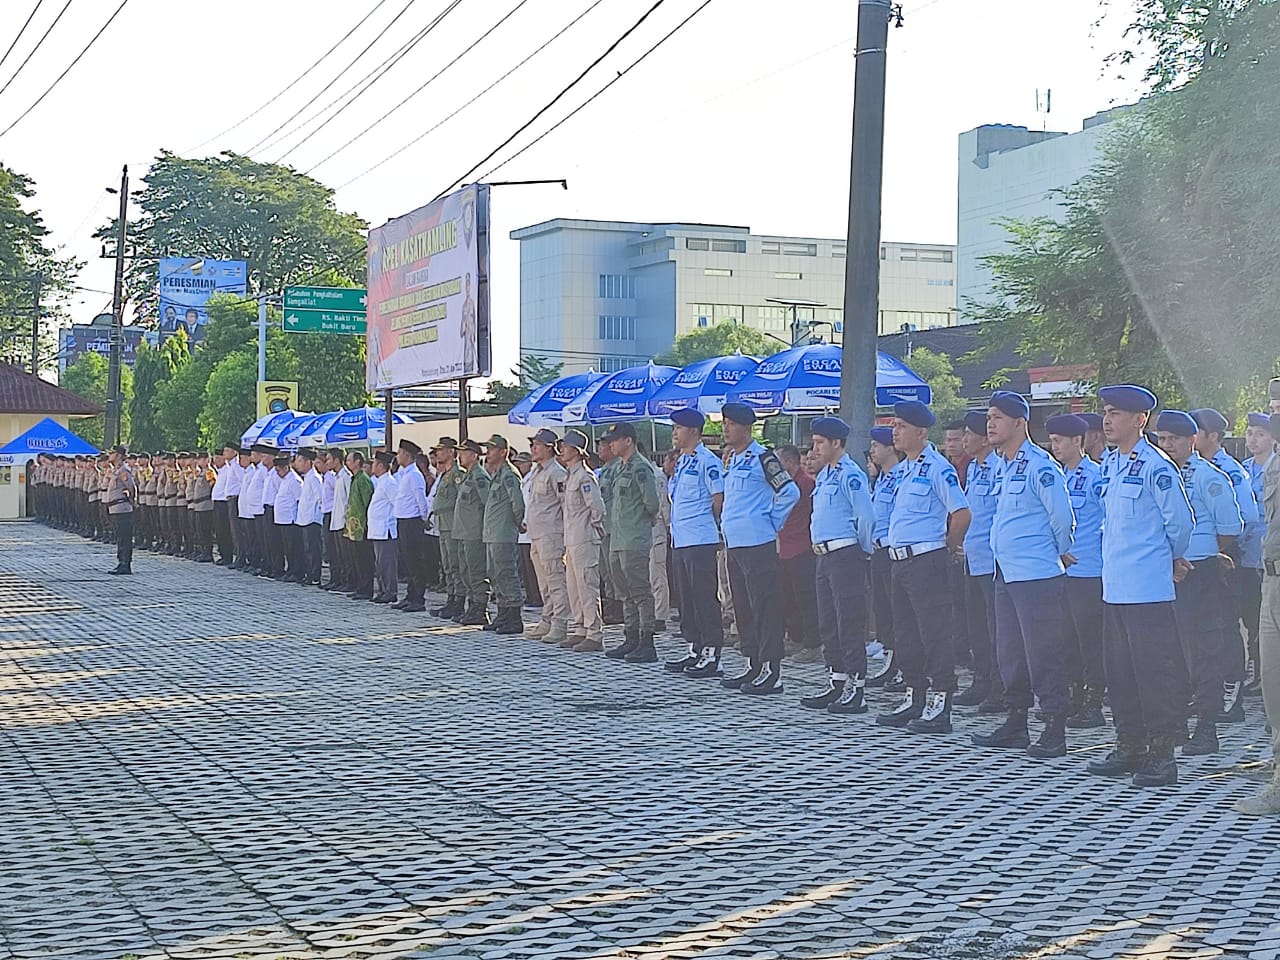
428, 301
187, 283
81, 338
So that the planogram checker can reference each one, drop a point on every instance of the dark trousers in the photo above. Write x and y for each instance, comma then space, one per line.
1083, 635
272, 543
882, 596
1251, 602
248, 541
980, 605
630, 569
529, 576
757, 601
434, 560
1240, 582
359, 564
204, 530
800, 598
222, 531
956, 577
412, 559
697, 585
1029, 617
386, 563
312, 536
290, 536
921, 611
1200, 611
841, 588
234, 525
124, 538
1146, 671
339, 557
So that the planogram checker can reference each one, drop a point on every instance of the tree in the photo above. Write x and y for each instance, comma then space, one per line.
935, 369
530, 372
721, 340
87, 377
230, 397
150, 369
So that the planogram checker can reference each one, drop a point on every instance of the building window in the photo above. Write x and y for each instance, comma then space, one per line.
728, 246
788, 275
884, 253
838, 250
614, 364
923, 319
696, 243
907, 253
941, 283
702, 313
770, 246
717, 272
617, 286
772, 318
936, 256
726, 313
835, 315
617, 328
800, 249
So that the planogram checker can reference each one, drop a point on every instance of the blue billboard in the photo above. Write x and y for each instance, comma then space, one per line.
187, 283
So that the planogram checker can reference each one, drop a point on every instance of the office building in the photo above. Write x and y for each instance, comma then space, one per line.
608, 295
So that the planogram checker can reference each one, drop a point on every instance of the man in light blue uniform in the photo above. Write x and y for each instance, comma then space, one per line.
987, 691
758, 495
1146, 529
889, 464
697, 497
1211, 427
1031, 538
930, 518
1201, 607
841, 528
1083, 634
1257, 439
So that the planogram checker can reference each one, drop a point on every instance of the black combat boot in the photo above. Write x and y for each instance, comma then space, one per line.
631, 640
768, 679
936, 716
852, 699
1232, 703
1159, 768
1089, 715
735, 683
644, 651
1053, 739
1011, 733
1204, 741
1127, 757
708, 664
821, 701
972, 697
510, 623
909, 709
476, 616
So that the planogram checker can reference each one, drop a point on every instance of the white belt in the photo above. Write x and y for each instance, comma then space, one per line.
915, 550
831, 546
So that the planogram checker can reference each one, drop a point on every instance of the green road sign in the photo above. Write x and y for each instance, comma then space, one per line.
324, 310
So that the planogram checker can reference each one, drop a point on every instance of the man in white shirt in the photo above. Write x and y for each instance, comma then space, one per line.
285, 494
411, 513
235, 484
221, 510
341, 573
310, 519
382, 528
250, 508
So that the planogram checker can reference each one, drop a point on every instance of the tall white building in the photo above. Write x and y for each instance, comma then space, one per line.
1013, 172
608, 295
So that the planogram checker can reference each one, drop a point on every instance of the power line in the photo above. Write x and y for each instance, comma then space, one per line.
453, 5
674, 30
296, 80
475, 43
49, 89
556, 99
39, 43
420, 137
22, 30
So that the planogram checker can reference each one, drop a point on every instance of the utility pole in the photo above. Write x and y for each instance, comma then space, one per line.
862, 264
36, 281
114, 400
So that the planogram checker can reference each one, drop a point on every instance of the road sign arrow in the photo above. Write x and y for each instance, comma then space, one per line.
291, 319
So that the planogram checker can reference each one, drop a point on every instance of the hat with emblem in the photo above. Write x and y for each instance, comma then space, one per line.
1128, 397
1177, 422
471, 447
738, 413
975, 421
688, 418
1259, 420
620, 431
1092, 420
915, 413
1067, 425
576, 439
1209, 420
446, 443
1011, 404
546, 436
832, 428
882, 435
498, 441
409, 447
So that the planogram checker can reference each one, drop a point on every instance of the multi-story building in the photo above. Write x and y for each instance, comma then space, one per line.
609, 295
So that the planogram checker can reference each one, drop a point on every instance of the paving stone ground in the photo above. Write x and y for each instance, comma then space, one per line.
195, 763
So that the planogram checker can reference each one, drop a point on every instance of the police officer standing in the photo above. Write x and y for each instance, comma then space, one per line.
122, 491
1145, 535
841, 529
1200, 606
1031, 538
584, 514
930, 517
632, 510
1083, 628
758, 496
468, 534
696, 502
443, 504
987, 691
544, 522
503, 517
889, 464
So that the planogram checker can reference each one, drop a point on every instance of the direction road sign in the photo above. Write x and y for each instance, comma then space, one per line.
324, 310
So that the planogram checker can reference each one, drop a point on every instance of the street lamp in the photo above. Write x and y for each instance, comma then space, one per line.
795, 306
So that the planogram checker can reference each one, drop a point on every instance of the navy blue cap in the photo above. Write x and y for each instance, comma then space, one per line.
688, 418
1011, 404
915, 413
576, 439
1067, 425
1260, 420
883, 435
975, 421
1093, 420
833, 428
738, 413
546, 436
1177, 422
1127, 396
1209, 420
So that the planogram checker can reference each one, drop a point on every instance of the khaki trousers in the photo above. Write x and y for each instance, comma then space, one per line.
658, 574
547, 554
582, 569
1269, 653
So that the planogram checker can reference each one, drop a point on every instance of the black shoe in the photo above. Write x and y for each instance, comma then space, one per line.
475, 617
679, 666
627, 646
362, 596
1053, 740
1232, 703
659, 626
852, 700
400, 604
1204, 741
936, 716
1159, 768
1011, 733
895, 684
380, 598
821, 701
708, 665
510, 623
909, 709
1088, 717
447, 611
416, 607
644, 652
972, 697
459, 614
885, 673
735, 683
767, 680
991, 706
120, 570
1125, 759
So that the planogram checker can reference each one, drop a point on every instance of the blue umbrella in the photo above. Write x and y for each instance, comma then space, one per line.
363, 426
288, 437
807, 378
623, 395
544, 405
701, 386
273, 422
273, 435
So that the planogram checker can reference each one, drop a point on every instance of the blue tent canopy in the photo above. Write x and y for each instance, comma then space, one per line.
49, 436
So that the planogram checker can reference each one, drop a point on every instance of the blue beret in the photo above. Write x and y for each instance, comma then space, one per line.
738, 413
688, 418
975, 421
1126, 396
1092, 420
1067, 425
1176, 422
1011, 404
1260, 420
882, 435
915, 413
1209, 420
833, 428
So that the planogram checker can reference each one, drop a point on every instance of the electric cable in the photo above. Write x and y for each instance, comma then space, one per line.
39, 43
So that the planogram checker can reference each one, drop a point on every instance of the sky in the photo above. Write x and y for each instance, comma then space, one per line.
743, 117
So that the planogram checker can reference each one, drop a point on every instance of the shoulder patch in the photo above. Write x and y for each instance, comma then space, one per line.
1164, 479
1215, 489
952, 479
1046, 478
854, 482
1236, 479
713, 473
586, 488
775, 474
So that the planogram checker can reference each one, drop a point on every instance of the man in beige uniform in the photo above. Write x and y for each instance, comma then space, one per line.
544, 522
658, 553
1267, 800
583, 530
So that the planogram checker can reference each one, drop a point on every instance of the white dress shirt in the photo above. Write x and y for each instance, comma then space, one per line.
329, 484
311, 501
341, 495
220, 484
382, 508
411, 493
287, 494
251, 492
235, 478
